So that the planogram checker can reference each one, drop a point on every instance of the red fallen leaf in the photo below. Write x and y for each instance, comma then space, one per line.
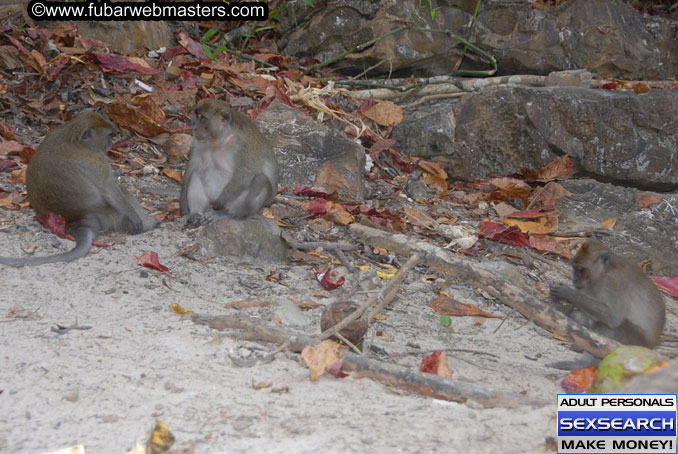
174, 51
317, 207
393, 195
191, 45
335, 369
609, 86
55, 67
53, 222
667, 284
546, 243
579, 381
150, 260
436, 363
4, 165
96, 243
18, 45
56, 224
307, 191
115, 63
499, 232
123, 143
327, 282
8, 146
26, 154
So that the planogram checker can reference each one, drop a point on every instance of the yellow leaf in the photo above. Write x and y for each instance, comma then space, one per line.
364, 267
388, 274
319, 357
179, 309
161, 439
528, 226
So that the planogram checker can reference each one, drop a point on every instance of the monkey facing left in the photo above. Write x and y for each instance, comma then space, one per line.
70, 175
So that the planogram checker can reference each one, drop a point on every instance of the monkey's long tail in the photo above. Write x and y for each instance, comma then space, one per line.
83, 242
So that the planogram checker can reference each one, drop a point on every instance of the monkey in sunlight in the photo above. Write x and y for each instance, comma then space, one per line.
232, 171
614, 297
70, 175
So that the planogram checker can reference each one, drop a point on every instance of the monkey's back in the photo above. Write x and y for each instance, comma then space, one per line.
66, 180
644, 305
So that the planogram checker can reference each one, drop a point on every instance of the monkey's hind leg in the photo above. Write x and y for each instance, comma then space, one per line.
258, 194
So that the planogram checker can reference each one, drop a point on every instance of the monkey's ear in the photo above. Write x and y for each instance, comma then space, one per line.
226, 115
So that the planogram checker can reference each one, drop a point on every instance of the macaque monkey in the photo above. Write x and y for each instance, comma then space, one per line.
70, 175
232, 171
615, 298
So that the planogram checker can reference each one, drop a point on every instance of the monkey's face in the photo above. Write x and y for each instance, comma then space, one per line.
97, 138
211, 119
589, 269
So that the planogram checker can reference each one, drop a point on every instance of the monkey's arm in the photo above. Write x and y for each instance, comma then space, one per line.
602, 311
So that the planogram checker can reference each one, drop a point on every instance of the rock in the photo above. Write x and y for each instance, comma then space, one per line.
606, 35
603, 35
289, 314
640, 233
257, 238
9, 58
129, 36
312, 154
336, 312
496, 130
575, 78
334, 26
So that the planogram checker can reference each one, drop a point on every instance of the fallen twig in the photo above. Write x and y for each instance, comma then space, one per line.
494, 284
378, 301
410, 380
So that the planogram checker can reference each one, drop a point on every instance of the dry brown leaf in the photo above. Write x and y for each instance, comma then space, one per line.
645, 200
385, 113
641, 88
337, 214
512, 188
173, 174
419, 219
503, 209
609, 222
319, 357
445, 305
304, 305
548, 194
17, 176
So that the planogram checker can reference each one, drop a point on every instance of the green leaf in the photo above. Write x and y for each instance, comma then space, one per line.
211, 32
308, 3
445, 320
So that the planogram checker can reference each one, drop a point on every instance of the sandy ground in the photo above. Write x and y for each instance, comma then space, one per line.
106, 386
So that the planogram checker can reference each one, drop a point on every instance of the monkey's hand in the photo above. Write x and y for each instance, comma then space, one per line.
563, 292
191, 220
133, 224
210, 216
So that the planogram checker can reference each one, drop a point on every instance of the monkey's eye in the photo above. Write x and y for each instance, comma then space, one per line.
226, 115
